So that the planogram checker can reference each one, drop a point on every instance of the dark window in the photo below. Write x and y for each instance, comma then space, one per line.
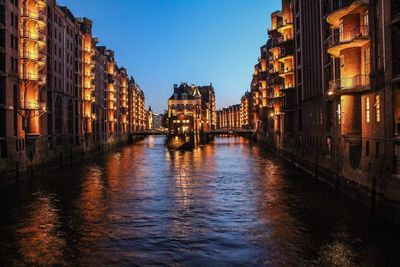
377, 148
367, 148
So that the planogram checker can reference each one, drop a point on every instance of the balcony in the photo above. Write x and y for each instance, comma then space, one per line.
38, 57
349, 85
36, 77
273, 70
286, 71
274, 27
286, 86
285, 39
87, 87
343, 8
285, 25
87, 98
41, 3
39, 17
356, 37
32, 105
89, 74
38, 37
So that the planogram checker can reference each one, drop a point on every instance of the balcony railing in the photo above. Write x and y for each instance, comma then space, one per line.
36, 36
89, 74
349, 83
340, 4
33, 56
287, 21
32, 105
41, 3
33, 14
33, 77
287, 86
347, 36
286, 70
284, 39
87, 98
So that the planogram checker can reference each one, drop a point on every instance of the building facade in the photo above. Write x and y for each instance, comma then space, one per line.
229, 118
330, 92
185, 114
60, 92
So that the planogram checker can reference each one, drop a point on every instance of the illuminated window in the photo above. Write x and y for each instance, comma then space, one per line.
339, 114
367, 110
378, 108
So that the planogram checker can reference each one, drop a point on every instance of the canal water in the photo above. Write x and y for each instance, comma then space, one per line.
226, 203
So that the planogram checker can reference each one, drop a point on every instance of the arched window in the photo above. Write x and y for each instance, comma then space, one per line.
58, 115
70, 117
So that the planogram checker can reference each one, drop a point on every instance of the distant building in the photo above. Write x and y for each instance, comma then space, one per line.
157, 121
184, 110
229, 118
208, 107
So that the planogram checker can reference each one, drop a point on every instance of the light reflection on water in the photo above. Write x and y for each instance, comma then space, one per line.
226, 203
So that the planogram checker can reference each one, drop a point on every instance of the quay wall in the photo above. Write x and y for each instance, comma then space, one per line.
382, 201
12, 171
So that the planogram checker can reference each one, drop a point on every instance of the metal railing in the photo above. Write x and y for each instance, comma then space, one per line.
32, 14
32, 105
36, 36
283, 39
39, 77
33, 56
286, 70
287, 86
348, 35
287, 21
348, 83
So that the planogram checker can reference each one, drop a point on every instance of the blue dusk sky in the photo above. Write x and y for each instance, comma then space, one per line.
163, 42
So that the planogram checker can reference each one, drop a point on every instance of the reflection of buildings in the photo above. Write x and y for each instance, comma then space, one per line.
40, 233
61, 92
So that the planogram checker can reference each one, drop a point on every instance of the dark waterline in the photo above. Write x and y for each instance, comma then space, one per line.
227, 203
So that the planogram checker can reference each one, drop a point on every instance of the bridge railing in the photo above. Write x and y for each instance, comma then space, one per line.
232, 131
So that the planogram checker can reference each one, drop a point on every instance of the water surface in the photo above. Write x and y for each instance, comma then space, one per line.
227, 203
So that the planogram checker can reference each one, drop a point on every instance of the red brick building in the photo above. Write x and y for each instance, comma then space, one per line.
61, 94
